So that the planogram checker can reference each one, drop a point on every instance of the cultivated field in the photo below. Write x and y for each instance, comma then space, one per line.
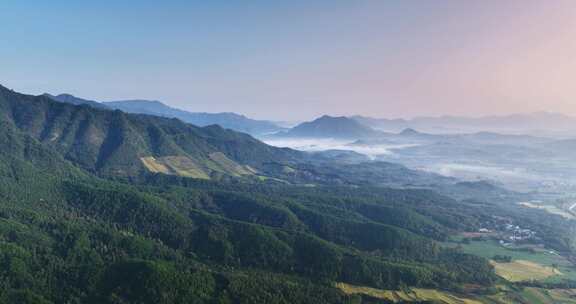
545, 260
521, 270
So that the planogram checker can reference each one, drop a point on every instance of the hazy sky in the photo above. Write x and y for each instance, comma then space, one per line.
298, 59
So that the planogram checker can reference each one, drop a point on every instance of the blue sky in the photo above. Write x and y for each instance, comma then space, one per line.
297, 59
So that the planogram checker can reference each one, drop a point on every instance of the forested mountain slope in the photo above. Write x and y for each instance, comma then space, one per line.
114, 143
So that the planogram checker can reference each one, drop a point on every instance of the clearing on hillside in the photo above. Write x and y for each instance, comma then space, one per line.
174, 165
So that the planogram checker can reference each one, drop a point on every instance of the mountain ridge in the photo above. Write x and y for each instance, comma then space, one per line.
227, 120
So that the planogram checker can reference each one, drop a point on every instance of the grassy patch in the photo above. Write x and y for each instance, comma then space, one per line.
229, 166
174, 165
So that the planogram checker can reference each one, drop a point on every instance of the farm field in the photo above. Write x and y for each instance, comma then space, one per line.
521, 270
537, 264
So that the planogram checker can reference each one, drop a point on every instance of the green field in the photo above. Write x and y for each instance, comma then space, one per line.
546, 258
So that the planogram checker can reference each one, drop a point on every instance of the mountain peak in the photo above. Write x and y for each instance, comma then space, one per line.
328, 118
332, 127
409, 132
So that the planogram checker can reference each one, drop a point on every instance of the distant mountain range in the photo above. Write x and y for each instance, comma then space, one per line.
226, 120
517, 123
352, 127
489, 128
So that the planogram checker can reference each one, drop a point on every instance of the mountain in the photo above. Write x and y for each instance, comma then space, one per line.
409, 132
114, 143
515, 123
226, 120
122, 145
71, 99
331, 127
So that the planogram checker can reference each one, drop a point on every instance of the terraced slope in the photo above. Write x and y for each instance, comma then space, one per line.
415, 295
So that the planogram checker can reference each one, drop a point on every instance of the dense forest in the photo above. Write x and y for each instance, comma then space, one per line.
83, 221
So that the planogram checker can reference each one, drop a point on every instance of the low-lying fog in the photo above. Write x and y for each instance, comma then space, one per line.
323, 144
523, 168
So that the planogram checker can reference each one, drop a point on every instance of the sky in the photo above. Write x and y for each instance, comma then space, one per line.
298, 59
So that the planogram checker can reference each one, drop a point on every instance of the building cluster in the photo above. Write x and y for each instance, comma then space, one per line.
514, 233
